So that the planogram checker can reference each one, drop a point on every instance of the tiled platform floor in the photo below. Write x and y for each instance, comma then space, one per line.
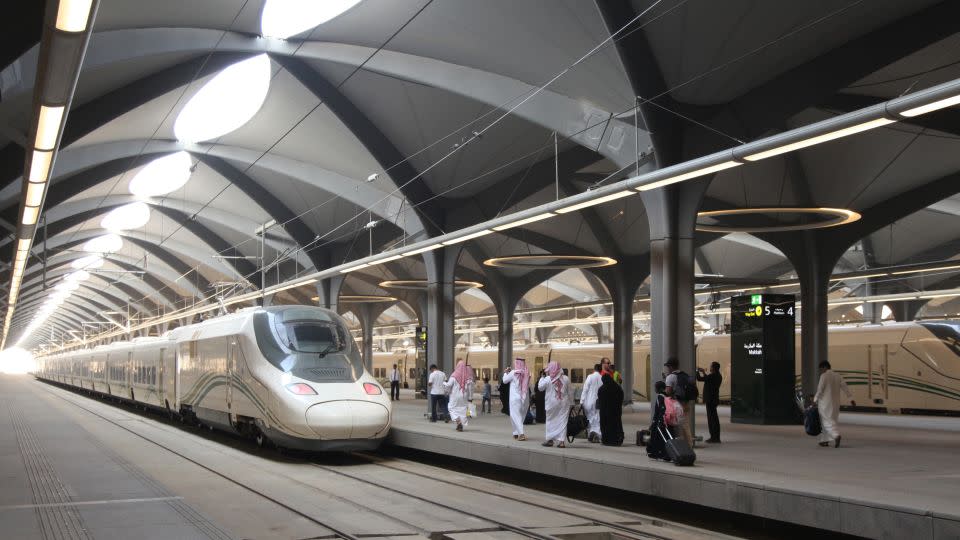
892, 477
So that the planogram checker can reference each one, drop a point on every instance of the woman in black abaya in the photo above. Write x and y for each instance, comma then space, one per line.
540, 400
610, 404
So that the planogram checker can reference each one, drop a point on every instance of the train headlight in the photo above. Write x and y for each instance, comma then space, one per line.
301, 389
372, 389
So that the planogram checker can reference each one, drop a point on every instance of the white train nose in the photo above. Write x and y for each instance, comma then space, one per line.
347, 419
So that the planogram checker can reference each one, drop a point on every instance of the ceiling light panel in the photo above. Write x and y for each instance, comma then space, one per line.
107, 243
229, 100
594, 202
128, 216
162, 176
285, 18
40, 166
72, 15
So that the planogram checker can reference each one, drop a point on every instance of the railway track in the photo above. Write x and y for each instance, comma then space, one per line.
490, 524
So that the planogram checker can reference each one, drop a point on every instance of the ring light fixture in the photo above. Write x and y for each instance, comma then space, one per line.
839, 216
419, 284
544, 261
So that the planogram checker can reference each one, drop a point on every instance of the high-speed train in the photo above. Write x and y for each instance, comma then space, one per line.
908, 368
287, 374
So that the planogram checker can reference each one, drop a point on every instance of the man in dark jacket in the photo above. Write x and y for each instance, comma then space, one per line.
711, 398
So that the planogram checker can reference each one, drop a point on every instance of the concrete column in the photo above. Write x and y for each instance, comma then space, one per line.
905, 310
872, 311
441, 266
671, 213
367, 317
505, 311
328, 292
814, 285
623, 340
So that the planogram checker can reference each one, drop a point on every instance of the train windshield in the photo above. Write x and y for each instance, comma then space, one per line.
309, 343
947, 331
313, 337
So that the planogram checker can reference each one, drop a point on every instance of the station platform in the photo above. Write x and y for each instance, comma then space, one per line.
892, 477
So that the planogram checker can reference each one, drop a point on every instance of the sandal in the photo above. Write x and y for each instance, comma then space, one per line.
522, 438
515, 437
561, 445
547, 443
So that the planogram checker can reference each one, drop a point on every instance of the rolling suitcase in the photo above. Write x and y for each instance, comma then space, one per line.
679, 451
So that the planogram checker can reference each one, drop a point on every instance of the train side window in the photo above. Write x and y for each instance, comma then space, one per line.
485, 372
413, 373
576, 375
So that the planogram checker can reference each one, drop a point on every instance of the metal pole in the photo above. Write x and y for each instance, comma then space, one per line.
263, 272
556, 164
636, 131
44, 252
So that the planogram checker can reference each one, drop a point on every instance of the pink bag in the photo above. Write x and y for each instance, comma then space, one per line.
673, 415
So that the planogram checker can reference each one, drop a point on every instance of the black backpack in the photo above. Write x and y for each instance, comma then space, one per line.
686, 388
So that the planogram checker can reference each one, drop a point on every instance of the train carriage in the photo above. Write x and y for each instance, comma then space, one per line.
289, 374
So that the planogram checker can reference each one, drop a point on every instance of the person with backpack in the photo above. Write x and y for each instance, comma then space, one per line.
683, 388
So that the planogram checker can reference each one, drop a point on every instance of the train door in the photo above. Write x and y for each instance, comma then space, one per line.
878, 360
161, 386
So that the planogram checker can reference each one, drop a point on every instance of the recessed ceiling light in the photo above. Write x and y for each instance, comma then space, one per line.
89, 262
128, 216
107, 243
162, 175
229, 100
285, 18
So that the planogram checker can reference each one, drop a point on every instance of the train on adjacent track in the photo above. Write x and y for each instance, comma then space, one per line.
907, 368
290, 375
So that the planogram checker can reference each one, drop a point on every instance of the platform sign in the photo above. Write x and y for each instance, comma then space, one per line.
762, 363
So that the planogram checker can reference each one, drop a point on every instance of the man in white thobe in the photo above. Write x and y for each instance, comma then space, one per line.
519, 380
828, 403
588, 400
460, 388
557, 399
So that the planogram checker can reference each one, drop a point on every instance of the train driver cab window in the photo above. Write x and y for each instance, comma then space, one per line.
313, 337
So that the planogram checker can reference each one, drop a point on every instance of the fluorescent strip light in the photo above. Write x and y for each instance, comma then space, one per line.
35, 193
879, 122
40, 166
72, 15
30, 215
689, 175
467, 237
352, 268
925, 296
523, 221
936, 105
23, 244
388, 259
848, 278
939, 269
421, 250
292, 286
48, 127
601, 200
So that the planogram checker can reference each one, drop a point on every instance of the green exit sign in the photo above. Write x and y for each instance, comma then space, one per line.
756, 299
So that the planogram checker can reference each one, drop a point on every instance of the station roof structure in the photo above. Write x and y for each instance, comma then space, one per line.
195, 124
